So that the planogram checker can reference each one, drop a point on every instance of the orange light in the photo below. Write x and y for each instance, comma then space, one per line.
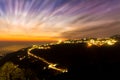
26, 38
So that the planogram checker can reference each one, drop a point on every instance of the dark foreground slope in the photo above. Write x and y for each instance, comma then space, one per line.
80, 60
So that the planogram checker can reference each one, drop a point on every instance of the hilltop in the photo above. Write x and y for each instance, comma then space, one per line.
70, 59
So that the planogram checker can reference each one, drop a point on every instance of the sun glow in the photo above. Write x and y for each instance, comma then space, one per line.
52, 20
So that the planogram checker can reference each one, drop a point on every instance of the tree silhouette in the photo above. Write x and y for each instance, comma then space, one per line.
10, 71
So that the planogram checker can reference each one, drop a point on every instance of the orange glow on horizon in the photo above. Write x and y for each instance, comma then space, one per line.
27, 38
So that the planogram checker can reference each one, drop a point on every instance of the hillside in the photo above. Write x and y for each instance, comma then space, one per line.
62, 61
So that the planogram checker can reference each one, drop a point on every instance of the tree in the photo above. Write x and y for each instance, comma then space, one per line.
10, 71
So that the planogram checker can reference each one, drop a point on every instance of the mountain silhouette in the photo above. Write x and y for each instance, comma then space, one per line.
79, 59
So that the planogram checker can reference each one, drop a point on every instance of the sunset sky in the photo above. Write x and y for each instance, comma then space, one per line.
44, 20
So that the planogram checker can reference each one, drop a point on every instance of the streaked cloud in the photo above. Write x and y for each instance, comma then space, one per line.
59, 18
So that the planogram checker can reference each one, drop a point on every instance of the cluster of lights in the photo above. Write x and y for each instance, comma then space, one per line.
21, 58
101, 42
90, 42
59, 41
40, 47
50, 65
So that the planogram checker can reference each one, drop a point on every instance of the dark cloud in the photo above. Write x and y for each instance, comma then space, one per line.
104, 30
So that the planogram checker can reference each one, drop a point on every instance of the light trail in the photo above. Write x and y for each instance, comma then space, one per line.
89, 43
50, 65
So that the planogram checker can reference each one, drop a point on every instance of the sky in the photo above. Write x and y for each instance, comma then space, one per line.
44, 20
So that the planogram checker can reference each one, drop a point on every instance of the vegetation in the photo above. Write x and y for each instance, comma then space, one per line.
78, 58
